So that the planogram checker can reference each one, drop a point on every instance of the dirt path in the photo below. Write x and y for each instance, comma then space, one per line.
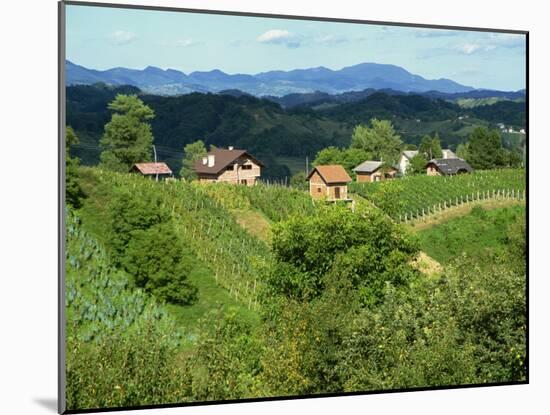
457, 211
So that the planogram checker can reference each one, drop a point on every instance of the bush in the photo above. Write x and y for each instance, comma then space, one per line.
156, 259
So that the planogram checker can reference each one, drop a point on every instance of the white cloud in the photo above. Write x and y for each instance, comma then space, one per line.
332, 40
274, 36
122, 37
186, 42
469, 48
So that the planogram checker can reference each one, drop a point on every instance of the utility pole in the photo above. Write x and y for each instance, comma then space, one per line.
155, 153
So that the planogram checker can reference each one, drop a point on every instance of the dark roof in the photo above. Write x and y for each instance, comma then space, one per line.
222, 159
451, 166
368, 166
331, 174
151, 168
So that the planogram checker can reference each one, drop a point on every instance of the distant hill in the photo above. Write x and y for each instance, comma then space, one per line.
276, 83
275, 134
466, 99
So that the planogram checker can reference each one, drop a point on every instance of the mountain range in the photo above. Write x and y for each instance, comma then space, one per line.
358, 77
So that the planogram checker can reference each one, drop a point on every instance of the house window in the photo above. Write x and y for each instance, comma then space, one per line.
232, 167
243, 181
247, 167
318, 190
337, 193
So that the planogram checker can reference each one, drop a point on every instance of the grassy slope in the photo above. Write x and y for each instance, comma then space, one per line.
473, 234
94, 220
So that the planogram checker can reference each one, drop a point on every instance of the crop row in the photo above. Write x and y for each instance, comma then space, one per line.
412, 194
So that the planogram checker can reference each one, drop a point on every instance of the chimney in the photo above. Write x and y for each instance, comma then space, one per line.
204, 160
211, 160
230, 147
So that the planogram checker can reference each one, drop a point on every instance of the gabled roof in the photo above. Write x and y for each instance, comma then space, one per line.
451, 166
448, 154
410, 153
331, 174
368, 166
151, 168
222, 159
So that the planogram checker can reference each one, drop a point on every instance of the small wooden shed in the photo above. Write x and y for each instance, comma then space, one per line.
155, 170
374, 171
329, 182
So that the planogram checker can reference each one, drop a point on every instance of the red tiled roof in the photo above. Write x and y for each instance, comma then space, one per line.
222, 159
332, 174
152, 168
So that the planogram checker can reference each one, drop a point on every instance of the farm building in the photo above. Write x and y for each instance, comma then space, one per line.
228, 166
447, 167
374, 171
329, 183
407, 155
153, 170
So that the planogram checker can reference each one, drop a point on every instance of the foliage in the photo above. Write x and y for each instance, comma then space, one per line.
379, 140
417, 165
483, 148
127, 138
73, 191
226, 361
121, 345
346, 157
147, 247
192, 153
298, 181
430, 147
364, 242
160, 264
427, 192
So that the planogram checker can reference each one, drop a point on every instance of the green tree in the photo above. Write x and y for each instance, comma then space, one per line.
346, 157
430, 147
379, 140
73, 191
483, 148
417, 165
158, 262
127, 138
462, 151
298, 181
306, 248
192, 153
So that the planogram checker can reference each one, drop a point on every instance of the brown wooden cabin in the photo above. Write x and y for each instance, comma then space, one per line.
329, 183
447, 167
157, 170
228, 166
374, 171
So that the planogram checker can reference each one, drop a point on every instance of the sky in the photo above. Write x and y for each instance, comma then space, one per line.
103, 38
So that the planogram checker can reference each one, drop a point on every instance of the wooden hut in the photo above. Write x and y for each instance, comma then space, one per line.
329, 182
374, 171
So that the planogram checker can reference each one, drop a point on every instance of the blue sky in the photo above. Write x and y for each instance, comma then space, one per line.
103, 38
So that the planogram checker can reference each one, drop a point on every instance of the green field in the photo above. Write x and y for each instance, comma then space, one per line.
478, 234
411, 195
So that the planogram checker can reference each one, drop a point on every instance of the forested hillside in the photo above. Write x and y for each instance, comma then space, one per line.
275, 135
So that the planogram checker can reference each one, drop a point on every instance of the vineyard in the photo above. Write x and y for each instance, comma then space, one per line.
231, 254
276, 202
415, 196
